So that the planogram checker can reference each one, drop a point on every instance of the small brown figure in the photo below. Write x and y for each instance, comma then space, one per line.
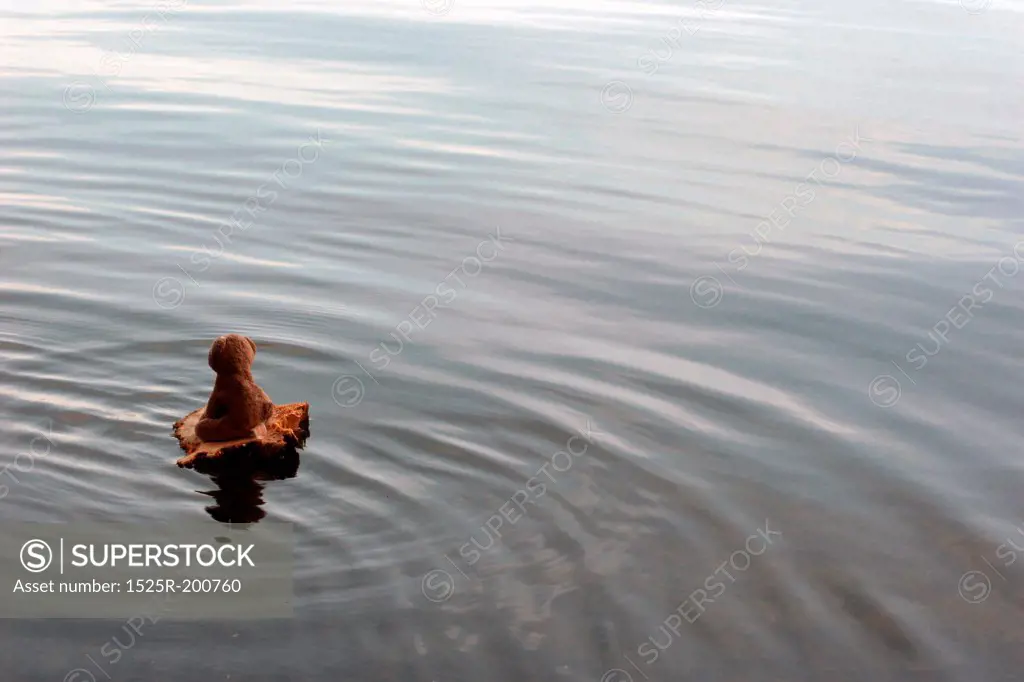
240, 428
237, 405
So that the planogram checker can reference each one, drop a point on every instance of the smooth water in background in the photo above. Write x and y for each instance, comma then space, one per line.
756, 265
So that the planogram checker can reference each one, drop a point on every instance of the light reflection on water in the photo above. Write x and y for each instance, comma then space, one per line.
732, 232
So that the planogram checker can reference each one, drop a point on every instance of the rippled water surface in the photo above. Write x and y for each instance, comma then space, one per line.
644, 341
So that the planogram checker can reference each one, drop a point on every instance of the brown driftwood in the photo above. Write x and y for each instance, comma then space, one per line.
274, 444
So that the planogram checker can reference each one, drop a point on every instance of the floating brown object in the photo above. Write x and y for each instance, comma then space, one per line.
240, 426
237, 404
273, 444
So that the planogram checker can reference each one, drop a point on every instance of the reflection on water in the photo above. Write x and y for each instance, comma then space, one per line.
237, 500
768, 250
238, 497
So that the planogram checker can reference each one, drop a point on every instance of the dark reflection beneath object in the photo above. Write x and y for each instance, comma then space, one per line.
239, 494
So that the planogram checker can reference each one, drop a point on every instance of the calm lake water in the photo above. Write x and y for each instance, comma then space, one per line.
644, 341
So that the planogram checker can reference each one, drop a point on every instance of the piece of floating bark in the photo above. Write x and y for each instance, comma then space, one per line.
273, 444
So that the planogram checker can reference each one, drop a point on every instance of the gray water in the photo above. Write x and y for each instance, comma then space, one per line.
755, 265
